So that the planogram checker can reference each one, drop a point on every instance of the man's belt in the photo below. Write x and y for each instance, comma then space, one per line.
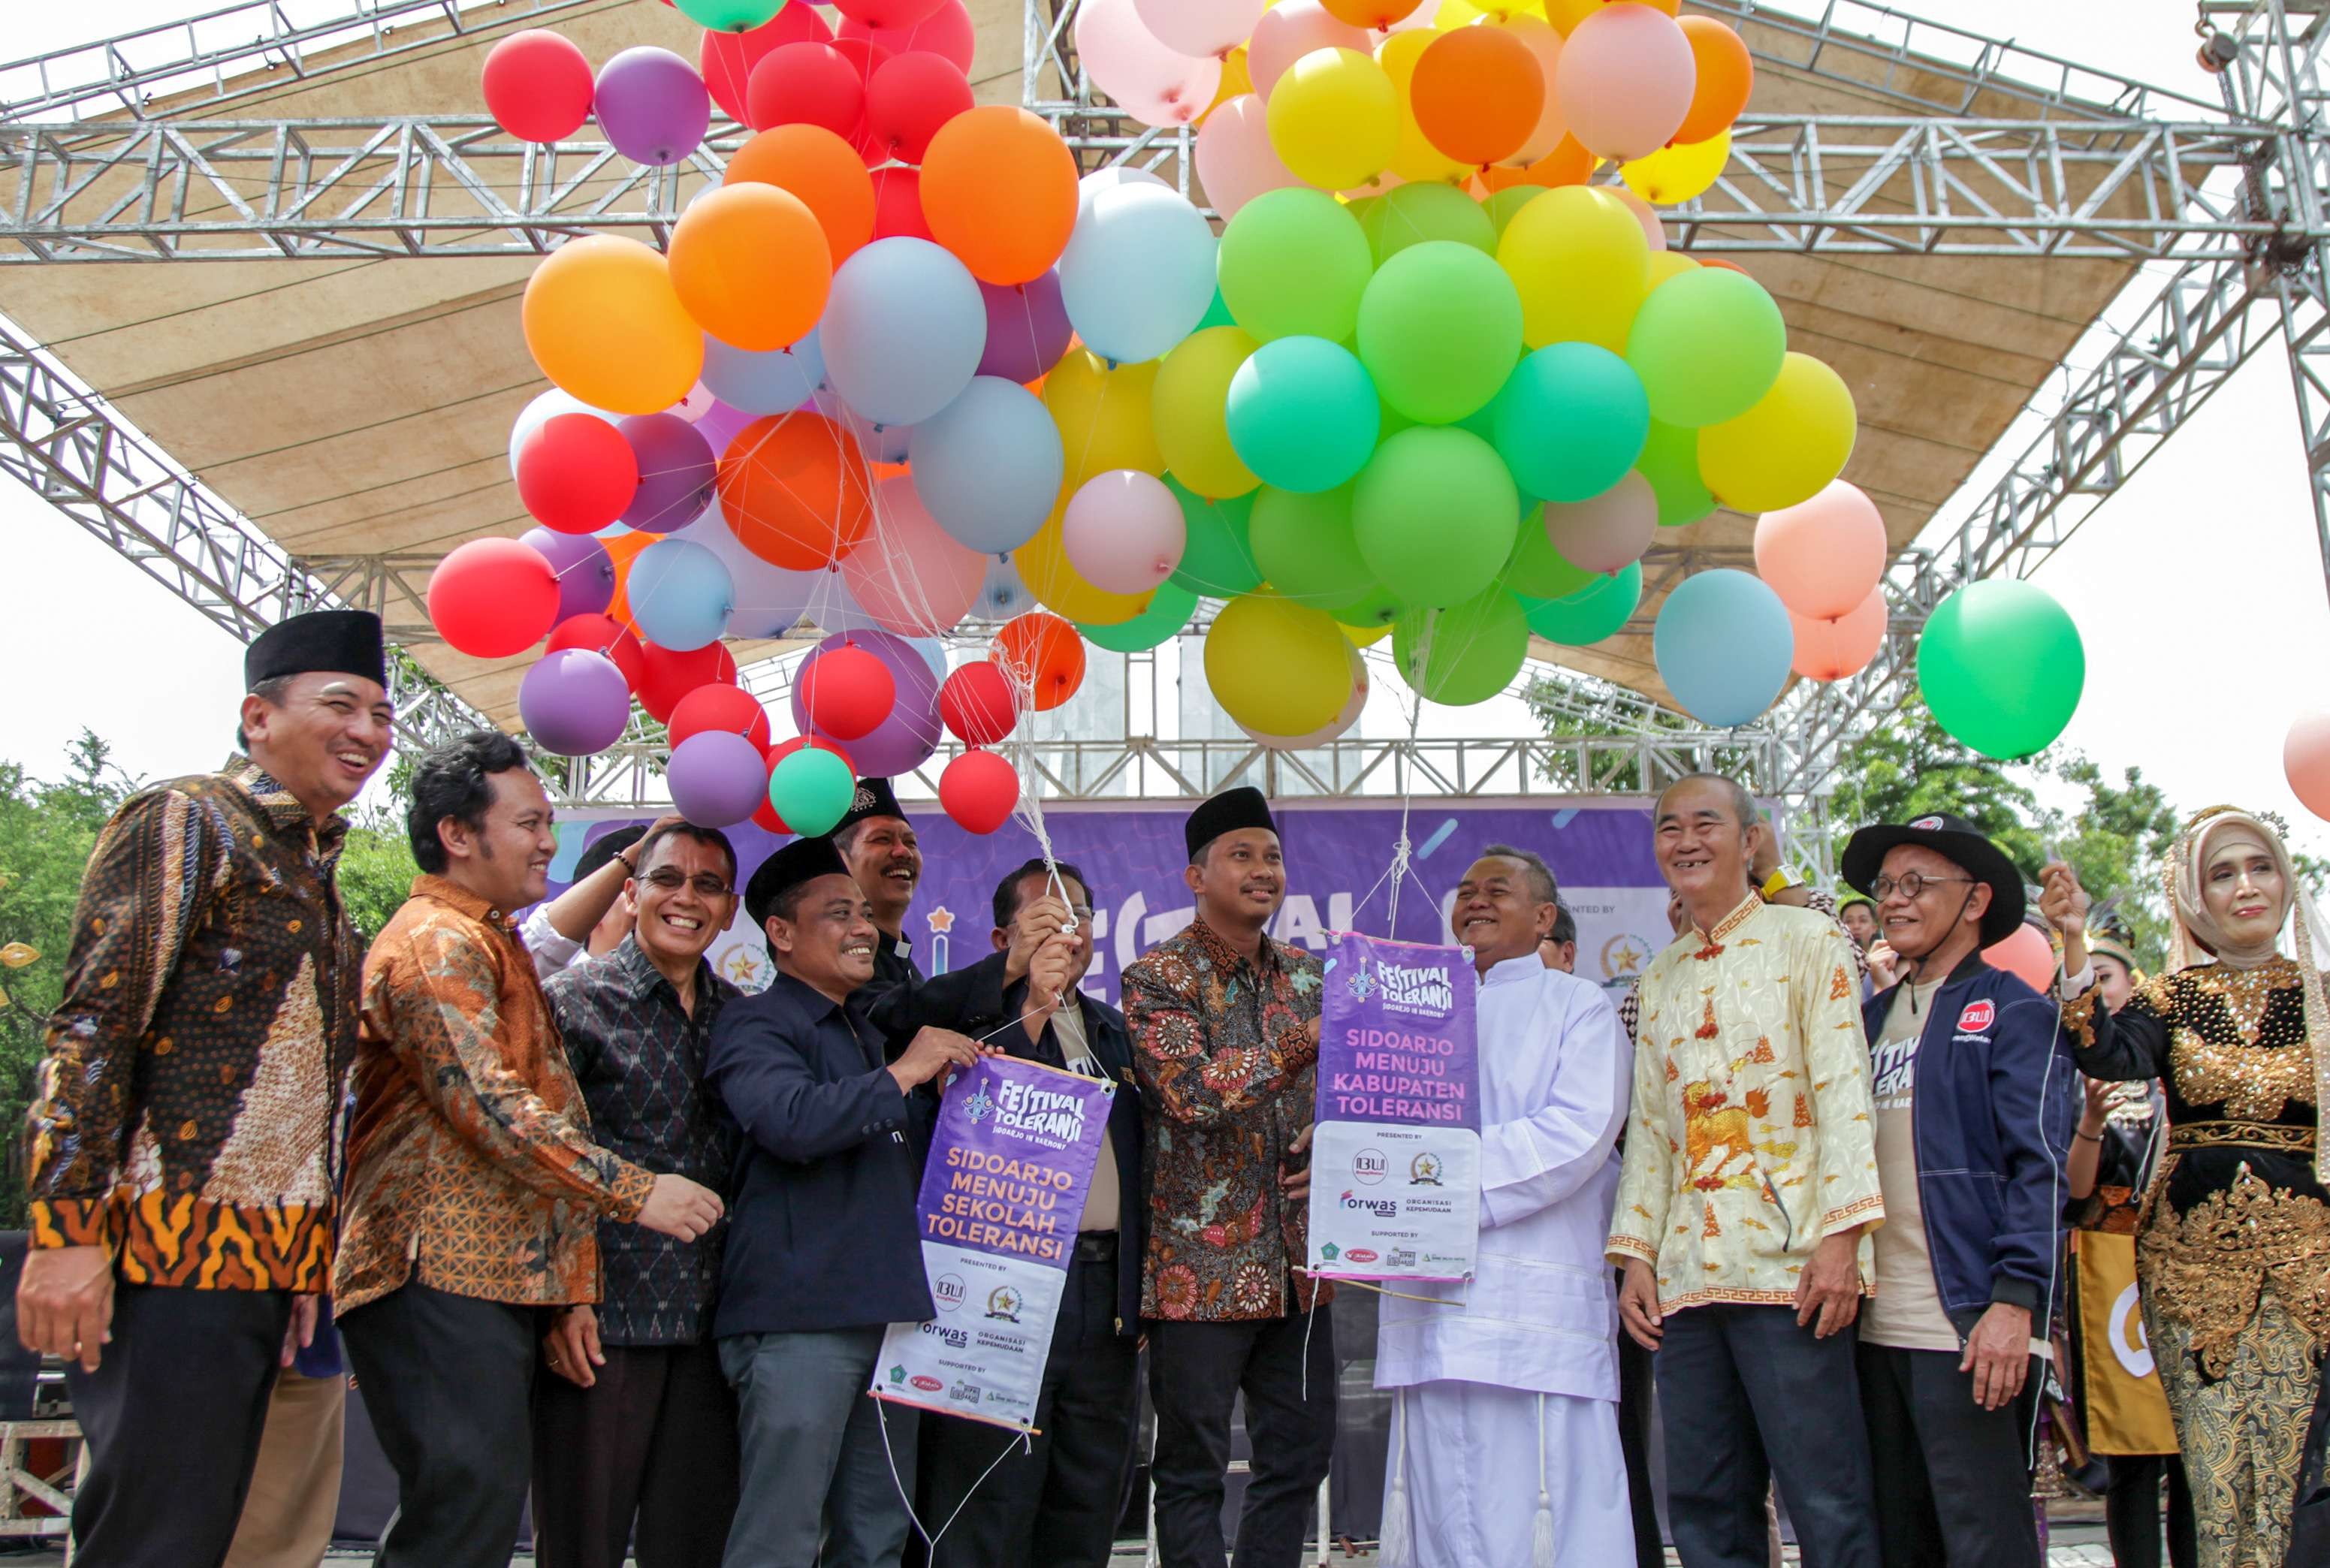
1095, 1246
2272, 1135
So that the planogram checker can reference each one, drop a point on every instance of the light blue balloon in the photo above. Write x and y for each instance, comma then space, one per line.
1302, 413
1138, 274
988, 465
775, 382
1723, 645
681, 595
903, 330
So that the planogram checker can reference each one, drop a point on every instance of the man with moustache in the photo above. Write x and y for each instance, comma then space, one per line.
1225, 1025
880, 846
474, 1188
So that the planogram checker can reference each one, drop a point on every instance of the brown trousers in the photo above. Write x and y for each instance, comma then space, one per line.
295, 1490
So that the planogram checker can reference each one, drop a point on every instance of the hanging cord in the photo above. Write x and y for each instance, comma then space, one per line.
1541, 1526
1024, 1443
1398, 1547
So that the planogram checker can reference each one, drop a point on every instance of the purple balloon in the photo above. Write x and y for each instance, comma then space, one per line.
574, 702
1027, 328
717, 778
586, 573
676, 472
719, 427
652, 106
904, 741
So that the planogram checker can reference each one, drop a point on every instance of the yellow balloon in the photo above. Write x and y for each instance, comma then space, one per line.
1581, 263
1678, 173
1060, 588
1103, 417
1185, 408
1361, 636
1463, 13
1236, 79
604, 323
1788, 447
1334, 123
1418, 158
1277, 666
1666, 264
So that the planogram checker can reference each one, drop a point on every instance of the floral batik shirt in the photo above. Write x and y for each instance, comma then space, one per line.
1222, 1051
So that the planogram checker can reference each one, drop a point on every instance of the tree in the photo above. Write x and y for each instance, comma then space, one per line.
1910, 767
376, 870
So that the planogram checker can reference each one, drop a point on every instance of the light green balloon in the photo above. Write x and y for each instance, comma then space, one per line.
1502, 206
1169, 609
1440, 329
1293, 261
1435, 513
2001, 665
1302, 546
1670, 461
1465, 653
1380, 608
1598, 610
1708, 344
1216, 560
1536, 568
1425, 210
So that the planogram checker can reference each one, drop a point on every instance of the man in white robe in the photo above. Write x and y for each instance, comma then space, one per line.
1504, 1444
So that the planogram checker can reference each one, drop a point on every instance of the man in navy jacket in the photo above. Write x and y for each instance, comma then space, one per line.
1974, 1098
823, 1254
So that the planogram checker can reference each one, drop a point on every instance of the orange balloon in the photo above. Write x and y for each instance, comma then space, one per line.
820, 168
1727, 266
751, 265
1477, 94
601, 319
1045, 653
1569, 163
999, 190
794, 490
1375, 13
1727, 75
623, 549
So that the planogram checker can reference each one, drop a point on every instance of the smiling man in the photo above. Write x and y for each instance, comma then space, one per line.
879, 845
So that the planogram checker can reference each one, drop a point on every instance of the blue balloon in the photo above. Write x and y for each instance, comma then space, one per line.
681, 595
903, 330
1138, 274
1723, 645
988, 466
775, 382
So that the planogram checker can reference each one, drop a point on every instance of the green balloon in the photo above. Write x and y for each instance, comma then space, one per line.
1380, 608
730, 17
1435, 513
1294, 262
1502, 206
1570, 421
1708, 344
1425, 210
1169, 609
1536, 570
1598, 610
1217, 314
1440, 329
1216, 560
2001, 665
1301, 414
812, 790
1302, 546
1670, 461
1465, 653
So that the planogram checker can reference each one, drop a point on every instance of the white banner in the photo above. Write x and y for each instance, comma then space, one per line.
1389, 1202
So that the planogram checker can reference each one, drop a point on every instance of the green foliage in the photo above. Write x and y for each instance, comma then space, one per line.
376, 870
1910, 767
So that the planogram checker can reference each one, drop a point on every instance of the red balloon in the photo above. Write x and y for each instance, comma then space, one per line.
946, 33
979, 704
898, 204
1044, 653
576, 473
806, 84
538, 85
666, 676
766, 816
603, 634
846, 692
908, 97
493, 598
727, 58
978, 791
886, 14
717, 706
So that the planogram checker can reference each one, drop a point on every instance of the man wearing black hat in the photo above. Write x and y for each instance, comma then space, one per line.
1974, 1096
1224, 1025
823, 1248
878, 844
183, 1137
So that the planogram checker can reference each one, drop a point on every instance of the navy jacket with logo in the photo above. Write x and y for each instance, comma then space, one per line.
1993, 1106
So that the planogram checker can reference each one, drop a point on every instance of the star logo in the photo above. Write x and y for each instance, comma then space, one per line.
942, 920
1624, 956
979, 1105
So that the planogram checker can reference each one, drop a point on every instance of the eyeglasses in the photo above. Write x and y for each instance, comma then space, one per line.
1909, 885
663, 879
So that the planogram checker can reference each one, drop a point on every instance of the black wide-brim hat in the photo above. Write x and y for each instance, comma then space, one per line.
1961, 843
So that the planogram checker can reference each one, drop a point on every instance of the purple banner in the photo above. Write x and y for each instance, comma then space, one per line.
1011, 1158
1395, 1042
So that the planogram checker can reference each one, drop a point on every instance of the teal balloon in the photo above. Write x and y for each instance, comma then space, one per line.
1304, 547
1423, 210
1708, 344
1217, 314
1723, 644
1440, 329
1570, 421
1301, 414
730, 17
1169, 609
1591, 613
1216, 559
812, 790
1465, 653
1670, 461
2002, 666
1435, 515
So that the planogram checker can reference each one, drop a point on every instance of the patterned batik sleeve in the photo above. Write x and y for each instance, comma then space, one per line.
445, 1001
149, 878
1181, 1070
1647, 1175
1836, 1054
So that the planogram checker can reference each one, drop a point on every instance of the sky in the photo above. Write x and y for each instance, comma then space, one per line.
2200, 588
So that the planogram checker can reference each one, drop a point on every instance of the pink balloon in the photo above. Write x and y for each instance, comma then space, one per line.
910, 577
2305, 758
1626, 80
1608, 533
1552, 125
2027, 956
1154, 84
1200, 27
1655, 228
1823, 555
1830, 650
1123, 530
1289, 31
1235, 162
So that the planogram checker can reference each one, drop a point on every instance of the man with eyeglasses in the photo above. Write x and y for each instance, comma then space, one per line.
635, 1429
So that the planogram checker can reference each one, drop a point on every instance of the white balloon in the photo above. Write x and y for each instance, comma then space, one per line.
543, 407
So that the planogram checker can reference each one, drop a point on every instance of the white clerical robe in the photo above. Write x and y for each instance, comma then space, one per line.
1507, 1417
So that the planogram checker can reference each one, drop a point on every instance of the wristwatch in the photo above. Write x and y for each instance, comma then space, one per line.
1775, 884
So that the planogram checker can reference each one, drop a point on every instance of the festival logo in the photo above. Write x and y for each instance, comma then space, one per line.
1369, 1166
979, 1106
1036, 1111
947, 1290
1424, 1170
1423, 990
1362, 984
1003, 1303
1978, 1017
